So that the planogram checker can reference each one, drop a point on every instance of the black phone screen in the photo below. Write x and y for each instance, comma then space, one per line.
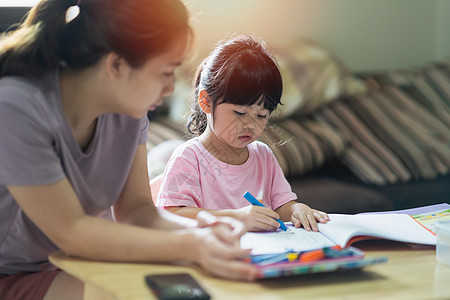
175, 287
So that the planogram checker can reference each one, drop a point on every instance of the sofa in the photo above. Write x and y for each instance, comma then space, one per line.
347, 142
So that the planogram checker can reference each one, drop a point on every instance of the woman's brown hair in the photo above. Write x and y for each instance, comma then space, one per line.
135, 29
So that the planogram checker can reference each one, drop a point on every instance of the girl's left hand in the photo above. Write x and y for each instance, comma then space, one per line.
303, 215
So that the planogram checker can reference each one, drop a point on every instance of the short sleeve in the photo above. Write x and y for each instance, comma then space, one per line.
281, 191
27, 154
180, 185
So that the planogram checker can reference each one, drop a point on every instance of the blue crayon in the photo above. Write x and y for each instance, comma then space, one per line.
250, 198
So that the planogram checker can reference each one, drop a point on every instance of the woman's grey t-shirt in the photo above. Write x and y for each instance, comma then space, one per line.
37, 147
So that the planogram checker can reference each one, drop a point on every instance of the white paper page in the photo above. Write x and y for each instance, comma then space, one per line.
295, 239
398, 227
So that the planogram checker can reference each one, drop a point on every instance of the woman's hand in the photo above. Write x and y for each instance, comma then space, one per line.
257, 218
216, 247
238, 228
303, 215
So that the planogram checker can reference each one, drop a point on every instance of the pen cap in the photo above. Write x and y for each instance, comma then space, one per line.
443, 242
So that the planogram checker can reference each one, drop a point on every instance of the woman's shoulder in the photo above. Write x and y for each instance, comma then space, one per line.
18, 89
17, 86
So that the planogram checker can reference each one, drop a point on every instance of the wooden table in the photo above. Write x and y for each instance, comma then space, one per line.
408, 274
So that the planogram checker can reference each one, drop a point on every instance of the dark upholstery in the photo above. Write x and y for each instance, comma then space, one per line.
335, 189
10, 16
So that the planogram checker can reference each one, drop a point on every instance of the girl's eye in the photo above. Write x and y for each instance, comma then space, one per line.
262, 116
169, 74
239, 113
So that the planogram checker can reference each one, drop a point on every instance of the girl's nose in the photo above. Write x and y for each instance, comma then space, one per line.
249, 122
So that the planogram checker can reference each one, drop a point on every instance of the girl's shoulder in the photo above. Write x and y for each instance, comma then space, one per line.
189, 153
260, 151
260, 147
188, 149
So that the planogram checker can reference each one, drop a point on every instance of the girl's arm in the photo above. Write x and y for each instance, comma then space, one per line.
255, 218
301, 215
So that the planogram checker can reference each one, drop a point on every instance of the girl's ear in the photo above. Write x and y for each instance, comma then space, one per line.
204, 101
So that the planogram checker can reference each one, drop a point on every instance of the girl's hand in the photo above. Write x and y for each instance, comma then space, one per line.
303, 215
257, 218
216, 248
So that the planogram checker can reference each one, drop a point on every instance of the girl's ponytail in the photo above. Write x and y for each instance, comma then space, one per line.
197, 120
33, 48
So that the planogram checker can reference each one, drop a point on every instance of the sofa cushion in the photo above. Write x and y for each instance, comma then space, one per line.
428, 85
302, 144
391, 137
312, 77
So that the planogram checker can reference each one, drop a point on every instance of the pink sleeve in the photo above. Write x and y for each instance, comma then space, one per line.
281, 191
180, 184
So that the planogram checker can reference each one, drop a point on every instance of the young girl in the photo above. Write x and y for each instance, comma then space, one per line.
76, 82
236, 89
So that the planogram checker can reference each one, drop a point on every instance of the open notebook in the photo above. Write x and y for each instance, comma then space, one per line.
412, 226
343, 230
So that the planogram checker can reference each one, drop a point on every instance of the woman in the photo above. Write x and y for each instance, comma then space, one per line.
76, 81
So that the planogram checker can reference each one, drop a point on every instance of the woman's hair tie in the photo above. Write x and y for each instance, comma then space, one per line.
72, 12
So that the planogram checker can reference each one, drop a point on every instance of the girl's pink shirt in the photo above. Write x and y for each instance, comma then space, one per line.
195, 178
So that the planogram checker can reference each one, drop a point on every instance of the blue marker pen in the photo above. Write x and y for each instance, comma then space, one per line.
250, 198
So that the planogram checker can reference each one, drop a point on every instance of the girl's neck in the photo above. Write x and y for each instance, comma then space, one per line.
221, 150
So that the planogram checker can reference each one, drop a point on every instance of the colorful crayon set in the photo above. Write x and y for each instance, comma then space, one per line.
303, 257
328, 259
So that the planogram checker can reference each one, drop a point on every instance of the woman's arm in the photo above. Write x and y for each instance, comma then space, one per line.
57, 212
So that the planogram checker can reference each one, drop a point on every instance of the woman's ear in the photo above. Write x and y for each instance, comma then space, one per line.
115, 65
204, 101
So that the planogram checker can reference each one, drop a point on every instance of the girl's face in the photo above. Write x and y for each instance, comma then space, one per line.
238, 125
144, 88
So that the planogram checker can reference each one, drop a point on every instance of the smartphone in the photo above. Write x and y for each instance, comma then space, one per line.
175, 287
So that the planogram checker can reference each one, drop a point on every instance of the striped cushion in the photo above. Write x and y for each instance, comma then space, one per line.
392, 138
302, 145
312, 78
429, 86
298, 145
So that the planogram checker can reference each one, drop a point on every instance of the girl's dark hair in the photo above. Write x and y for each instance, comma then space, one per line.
135, 29
239, 71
